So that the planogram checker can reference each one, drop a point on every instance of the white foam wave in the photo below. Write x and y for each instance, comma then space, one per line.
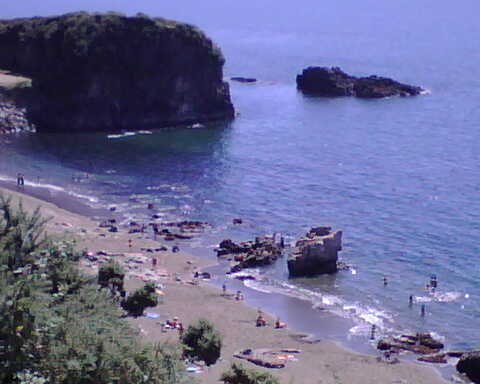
51, 187
447, 296
255, 285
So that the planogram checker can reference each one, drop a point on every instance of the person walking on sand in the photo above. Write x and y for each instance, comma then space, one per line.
224, 289
410, 301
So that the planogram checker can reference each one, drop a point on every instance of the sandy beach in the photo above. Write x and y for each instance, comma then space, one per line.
318, 362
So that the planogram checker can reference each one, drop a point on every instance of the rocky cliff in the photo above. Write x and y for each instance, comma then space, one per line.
322, 81
110, 72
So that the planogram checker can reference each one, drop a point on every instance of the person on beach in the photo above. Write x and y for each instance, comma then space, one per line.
422, 310
372, 333
385, 281
224, 289
410, 301
180, 329
154, 262
239, 296
279, 324
20, 180
260, 322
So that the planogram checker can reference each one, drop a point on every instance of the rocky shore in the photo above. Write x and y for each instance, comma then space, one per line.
110, 72
13, 118
287, 355
329, 82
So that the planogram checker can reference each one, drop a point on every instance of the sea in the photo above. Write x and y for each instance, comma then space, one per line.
399, 176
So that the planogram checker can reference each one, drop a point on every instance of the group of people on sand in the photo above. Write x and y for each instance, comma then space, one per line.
262, 322
238, 295
174, 324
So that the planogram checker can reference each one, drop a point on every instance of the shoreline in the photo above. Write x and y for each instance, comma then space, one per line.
193, 301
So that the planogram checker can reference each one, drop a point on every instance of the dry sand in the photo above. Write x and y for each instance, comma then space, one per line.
322, 362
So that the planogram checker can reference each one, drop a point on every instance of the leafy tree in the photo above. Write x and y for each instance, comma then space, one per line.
240, 375
111, 276
142, 298
17, 330
20, 234
202, 341
56, 327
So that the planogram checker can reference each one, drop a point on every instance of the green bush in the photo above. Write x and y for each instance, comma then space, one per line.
111, 276
240, 375
203, 342
142, 298
56, 326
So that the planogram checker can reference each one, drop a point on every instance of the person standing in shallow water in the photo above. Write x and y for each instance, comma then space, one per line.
20, 180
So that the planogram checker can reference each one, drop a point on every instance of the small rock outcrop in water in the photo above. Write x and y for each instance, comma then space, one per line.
244, 79
316, 253
469, 364
93, 72
323, 81
248, 254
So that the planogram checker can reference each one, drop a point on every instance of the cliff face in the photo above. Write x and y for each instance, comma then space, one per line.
110, 72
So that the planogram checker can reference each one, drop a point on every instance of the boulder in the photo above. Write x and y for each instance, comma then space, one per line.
323, 81
111, 72
469, 364
263, 251
434, 359
315, 254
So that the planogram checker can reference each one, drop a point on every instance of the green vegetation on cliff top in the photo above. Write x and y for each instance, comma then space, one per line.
82, 28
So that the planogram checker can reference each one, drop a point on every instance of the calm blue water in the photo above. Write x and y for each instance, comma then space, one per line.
399, 176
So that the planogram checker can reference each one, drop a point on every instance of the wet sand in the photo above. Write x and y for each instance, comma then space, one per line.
319, 362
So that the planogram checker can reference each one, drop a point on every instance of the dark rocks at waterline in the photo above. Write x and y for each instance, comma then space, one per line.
247, 80
422, 343
170, 74
469, 364
249, 254
316, 253
328, 82
13, 118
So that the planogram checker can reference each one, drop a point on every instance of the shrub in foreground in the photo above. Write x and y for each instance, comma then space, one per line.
203, 342
240, 375
142, 298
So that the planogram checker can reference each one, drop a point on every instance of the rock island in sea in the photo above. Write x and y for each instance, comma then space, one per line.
93, 72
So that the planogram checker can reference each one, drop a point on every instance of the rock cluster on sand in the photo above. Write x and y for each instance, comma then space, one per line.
94, 72
248, 254
323, 81
316, 253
